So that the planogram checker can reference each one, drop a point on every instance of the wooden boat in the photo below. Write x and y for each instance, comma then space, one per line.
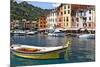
34, 52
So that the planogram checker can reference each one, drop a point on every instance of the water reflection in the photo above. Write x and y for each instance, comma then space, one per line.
40, 40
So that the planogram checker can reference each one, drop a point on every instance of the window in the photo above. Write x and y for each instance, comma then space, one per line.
64, 12
44, 25
59, 20
67, 24
81, 13
40, 25
84, 14
68, 11
89, 11
68, 6
64, 18
65, 7
89, 18
84, 24
67, 19
77, 19
72, 19
77, 25
64, 24
61, 13
85, 18
89, 25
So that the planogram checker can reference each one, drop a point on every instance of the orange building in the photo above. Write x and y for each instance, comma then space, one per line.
42, 23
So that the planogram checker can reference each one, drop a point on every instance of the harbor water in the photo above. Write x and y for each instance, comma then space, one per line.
80, 50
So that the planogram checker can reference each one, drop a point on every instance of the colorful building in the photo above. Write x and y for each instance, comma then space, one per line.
83, 16
42, 23
72, 17
52, 19
66, 16
27, 25
91, 18
14, 24
60, 16
34, 25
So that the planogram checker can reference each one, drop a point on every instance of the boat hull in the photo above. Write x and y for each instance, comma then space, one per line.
45, 55
56, 34
87, 36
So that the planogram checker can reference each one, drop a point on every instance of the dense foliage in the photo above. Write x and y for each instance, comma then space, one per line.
27, 11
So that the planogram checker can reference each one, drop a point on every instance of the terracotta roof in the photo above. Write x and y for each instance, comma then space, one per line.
79, 6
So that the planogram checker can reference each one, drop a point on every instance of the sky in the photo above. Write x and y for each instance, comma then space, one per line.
43, 5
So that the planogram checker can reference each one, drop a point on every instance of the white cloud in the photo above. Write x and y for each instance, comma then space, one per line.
18, 1
56, 4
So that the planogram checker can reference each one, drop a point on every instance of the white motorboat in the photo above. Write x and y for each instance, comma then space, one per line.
87, 36
19, 32
31, 32
57, 34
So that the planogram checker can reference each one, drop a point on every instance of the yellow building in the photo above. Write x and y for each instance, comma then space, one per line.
34, 25
66, 16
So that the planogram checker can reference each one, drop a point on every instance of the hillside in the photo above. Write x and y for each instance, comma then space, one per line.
27, 11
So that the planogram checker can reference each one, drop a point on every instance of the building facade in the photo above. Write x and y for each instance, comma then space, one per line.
52, 19
14, 24
66, 16
90, 18
42, 23
34, 25
72, 17
27, 25
60, 16
85, 17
